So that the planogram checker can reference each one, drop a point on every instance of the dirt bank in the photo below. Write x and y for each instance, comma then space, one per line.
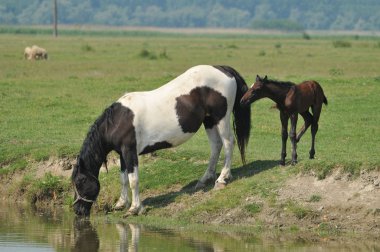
337, 204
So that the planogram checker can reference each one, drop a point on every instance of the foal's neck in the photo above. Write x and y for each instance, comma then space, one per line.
277, 91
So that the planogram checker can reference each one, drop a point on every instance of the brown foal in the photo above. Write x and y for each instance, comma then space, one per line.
291, 100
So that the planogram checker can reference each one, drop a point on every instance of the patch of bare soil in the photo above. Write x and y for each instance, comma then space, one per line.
339, 201
335, 205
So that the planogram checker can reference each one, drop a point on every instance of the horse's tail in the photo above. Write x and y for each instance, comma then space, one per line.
325, 99
242, 115
323, 93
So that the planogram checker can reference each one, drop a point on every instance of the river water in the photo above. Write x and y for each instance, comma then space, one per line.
32, 230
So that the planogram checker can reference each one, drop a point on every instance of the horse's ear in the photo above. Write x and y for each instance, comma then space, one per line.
258, 78
266, 78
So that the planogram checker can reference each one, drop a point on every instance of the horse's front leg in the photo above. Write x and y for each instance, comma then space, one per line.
216, 146
284, 135
123, 200
131, 160
293, 137
227, 138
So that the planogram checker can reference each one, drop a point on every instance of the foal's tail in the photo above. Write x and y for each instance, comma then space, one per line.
325, 99
323, 93
242, 115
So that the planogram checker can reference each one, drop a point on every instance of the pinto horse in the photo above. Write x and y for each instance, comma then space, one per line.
142, 122
291, 100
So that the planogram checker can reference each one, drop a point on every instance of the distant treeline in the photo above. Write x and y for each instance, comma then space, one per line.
258, 14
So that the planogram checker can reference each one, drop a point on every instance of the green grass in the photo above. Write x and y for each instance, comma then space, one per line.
315, 198
46, 107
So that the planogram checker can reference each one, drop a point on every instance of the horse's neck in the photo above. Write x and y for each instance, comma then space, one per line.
94, 153
277, 92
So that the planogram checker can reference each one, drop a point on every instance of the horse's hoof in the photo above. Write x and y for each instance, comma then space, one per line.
131, 212
134, 212
199, 186
282, 163
219, 185
128, 214
120, 206
294, 162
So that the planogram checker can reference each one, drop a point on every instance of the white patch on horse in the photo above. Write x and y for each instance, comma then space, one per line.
156, 119
136, 205
124, 199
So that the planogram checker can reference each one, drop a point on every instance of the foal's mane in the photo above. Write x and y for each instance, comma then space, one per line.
286, 84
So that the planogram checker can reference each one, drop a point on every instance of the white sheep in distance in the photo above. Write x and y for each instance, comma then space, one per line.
35, 53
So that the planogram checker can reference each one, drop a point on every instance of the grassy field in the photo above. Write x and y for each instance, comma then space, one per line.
46, 107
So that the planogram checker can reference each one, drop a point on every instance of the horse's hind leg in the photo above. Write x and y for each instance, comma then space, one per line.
216, 146
308, 118
284, 135
293, 136
227, 138
123, 200
314, 127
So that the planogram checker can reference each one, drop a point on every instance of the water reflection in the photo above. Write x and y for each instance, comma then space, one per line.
135, 230
55, 230
85, 236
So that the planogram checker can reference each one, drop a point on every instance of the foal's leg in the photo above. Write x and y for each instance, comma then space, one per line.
284, 135
124, 199
131, 160
308, 118
293, 136
227, 138
216, 146
314, 127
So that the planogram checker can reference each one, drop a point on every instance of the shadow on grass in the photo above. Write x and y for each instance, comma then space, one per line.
244, 171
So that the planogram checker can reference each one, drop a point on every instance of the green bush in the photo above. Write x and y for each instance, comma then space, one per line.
254, 208
341, 44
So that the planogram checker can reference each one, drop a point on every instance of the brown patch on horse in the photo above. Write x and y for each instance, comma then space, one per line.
201, 105
304, 95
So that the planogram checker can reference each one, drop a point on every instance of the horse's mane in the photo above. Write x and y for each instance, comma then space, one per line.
287, 84
94, 150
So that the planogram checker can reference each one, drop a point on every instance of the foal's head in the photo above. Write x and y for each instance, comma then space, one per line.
256, 92
86, 187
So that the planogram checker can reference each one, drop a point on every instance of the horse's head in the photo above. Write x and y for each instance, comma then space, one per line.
86, 187
256, 92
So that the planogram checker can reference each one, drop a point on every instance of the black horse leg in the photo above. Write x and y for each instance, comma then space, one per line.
308, 118
293, 137
284, 135
314, 128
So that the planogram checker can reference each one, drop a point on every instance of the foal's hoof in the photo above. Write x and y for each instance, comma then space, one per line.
219, 185
282, 163
294, 162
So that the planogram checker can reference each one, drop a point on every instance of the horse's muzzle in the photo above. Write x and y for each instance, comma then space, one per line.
82, 208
